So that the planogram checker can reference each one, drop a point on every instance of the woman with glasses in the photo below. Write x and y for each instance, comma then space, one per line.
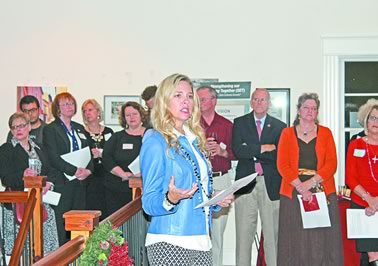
60, 137
97, 135
18, 158
362, 173
30, 105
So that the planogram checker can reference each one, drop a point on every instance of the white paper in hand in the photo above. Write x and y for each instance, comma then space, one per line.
134, 166
79, 158
51, 197
238, 184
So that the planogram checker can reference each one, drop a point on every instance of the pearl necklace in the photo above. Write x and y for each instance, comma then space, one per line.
369, 160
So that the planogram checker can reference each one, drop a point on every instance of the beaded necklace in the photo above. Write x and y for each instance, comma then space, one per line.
187, 157
369, 161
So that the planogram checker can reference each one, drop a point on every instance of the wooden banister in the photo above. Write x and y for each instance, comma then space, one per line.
12, 197
22, 233
36, 183
125, 213
65, 254
81, 223
135, 183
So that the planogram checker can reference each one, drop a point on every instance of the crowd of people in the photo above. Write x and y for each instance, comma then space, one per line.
185, 150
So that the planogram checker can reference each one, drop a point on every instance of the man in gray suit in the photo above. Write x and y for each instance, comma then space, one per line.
255, 138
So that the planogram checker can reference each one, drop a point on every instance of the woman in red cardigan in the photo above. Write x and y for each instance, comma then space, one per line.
307, 161
362, 173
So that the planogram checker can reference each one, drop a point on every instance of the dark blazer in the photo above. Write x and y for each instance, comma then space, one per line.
57, 143
14, 161
247, 146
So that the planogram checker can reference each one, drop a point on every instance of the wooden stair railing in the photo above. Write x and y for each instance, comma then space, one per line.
24, 226
81, 224
33, 210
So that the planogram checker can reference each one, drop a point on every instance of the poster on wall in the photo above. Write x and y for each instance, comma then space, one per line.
45, 96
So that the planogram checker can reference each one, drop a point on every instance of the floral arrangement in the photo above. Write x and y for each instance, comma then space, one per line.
106, 246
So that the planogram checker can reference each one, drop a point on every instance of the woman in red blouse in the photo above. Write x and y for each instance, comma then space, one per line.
362, 173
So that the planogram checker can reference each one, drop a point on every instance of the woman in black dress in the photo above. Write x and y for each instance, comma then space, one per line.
60, 137
122, 149
18, 158
97, 135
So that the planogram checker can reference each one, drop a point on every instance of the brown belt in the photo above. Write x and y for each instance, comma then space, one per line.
304, 171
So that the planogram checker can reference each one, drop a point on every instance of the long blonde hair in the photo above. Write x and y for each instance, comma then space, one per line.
162, 119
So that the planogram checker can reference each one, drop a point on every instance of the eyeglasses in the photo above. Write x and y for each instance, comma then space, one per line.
20, 126
66, 104
30, 111
373, 118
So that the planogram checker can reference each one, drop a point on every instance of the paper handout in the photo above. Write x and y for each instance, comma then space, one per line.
359, 225
51, 197
238, 184
79, 158
134, 166
315, 218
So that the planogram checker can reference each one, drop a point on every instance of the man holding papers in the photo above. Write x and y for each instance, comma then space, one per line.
63, 136
362, 174
309, 225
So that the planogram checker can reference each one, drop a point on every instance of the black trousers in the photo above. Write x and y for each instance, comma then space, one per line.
73, 196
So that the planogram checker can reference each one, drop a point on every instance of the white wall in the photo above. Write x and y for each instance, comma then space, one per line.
119, 47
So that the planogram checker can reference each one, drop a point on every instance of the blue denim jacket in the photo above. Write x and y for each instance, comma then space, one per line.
158, 164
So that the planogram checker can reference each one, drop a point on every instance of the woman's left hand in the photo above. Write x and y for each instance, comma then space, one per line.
226, 201
370, 211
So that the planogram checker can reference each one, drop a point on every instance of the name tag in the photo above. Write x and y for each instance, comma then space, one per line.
359, 153
127, 146
82, 136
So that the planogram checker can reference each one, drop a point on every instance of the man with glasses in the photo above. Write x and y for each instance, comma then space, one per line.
30, 105
218, 132
254, 143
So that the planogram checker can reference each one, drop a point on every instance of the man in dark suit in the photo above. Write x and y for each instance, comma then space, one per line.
255, 138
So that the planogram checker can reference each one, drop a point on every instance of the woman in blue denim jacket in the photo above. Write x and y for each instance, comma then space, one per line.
177, 177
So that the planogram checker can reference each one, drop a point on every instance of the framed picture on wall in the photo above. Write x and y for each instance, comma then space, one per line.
113, 104
280, 108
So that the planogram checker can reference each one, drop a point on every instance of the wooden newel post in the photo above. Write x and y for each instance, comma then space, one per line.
37, 182
81, 223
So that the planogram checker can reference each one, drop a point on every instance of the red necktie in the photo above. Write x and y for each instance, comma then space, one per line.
258, 166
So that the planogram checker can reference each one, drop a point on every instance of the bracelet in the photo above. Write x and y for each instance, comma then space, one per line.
363, 195
169, 201
314, 183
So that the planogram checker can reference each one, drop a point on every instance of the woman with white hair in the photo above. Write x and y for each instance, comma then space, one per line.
362, 173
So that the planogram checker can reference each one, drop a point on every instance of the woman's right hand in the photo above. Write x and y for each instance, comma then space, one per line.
175, 194
30, 172
373, 203
97, 152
